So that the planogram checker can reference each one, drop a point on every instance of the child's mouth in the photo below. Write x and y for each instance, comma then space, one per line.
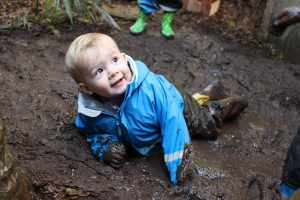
117, 83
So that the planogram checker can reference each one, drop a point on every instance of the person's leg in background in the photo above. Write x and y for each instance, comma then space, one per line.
149, 6
169, 7
290, 184
146, 8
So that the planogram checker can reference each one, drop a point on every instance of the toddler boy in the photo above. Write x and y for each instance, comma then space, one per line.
121, 102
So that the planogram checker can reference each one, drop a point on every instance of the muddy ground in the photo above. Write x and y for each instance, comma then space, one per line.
38, 104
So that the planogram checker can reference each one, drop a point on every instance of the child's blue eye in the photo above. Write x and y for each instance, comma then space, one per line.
115, 59
99, 71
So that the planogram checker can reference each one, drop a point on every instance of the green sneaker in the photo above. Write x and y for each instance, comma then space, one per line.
166, 25
140, 24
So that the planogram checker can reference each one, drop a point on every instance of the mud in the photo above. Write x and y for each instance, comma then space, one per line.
38, 103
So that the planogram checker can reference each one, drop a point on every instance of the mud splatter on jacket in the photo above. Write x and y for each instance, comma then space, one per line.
150, 115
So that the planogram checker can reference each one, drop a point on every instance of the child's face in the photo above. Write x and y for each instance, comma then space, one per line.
105, 72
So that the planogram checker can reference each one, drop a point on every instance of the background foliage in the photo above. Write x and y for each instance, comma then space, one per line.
30, 13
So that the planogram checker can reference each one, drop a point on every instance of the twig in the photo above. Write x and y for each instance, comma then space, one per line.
78, 160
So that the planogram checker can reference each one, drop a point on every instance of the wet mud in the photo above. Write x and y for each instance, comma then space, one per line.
38, 105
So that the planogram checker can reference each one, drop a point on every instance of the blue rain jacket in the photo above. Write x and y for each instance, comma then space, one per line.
150, 115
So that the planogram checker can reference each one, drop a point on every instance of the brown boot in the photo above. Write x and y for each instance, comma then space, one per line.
200, 122
228, 107
215, 91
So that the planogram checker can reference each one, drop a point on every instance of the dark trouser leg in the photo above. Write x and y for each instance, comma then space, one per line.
171, 4
291, 168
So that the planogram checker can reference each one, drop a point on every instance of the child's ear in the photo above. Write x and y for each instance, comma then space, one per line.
124, 55
83, 88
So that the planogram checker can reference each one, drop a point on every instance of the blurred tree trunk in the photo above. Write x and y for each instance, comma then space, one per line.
250, 14
12, 181
247, 14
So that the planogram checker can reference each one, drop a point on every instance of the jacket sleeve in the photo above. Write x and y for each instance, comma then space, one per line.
174, 130
98, 142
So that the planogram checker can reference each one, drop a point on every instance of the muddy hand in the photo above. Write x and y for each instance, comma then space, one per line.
186, 168
115, 155
285, 18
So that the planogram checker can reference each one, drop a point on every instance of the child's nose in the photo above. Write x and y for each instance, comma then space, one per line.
112, 72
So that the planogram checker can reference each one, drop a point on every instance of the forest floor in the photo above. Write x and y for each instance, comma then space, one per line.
38, 105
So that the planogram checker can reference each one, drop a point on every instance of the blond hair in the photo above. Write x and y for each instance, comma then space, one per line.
77, 49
